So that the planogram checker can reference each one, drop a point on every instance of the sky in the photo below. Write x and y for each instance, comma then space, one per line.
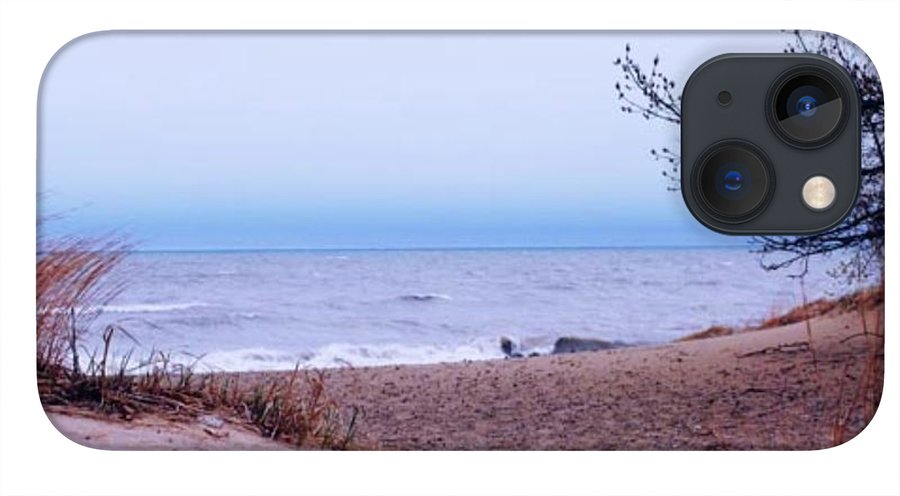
362, 140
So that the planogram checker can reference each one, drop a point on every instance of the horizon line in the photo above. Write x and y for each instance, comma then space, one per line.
436, 248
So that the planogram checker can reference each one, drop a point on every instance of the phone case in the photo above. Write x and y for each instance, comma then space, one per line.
430, 240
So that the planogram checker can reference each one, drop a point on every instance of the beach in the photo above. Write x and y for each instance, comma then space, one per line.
793, 385
155, 432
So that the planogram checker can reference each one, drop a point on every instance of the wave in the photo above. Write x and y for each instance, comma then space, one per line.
348, 355
149, 307
426, 297
250, 359
707, 283
340, 355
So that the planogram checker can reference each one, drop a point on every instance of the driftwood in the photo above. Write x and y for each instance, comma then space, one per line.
795, 347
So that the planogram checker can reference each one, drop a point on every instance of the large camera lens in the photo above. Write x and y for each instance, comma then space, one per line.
808, 107
733, 181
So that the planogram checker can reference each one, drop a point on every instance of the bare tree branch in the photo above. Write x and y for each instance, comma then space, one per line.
860, 237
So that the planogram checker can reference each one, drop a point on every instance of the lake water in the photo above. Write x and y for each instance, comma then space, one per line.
272, 309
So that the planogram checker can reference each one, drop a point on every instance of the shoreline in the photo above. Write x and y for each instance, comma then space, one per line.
720, 388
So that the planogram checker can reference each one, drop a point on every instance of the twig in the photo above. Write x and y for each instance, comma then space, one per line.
795, 347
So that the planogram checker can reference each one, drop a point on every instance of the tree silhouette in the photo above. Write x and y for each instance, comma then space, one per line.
860, 237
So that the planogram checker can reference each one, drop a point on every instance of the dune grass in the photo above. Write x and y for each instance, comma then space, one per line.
74, 278
862, 395
859, 301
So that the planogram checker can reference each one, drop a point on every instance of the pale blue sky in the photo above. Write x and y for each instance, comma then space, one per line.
193, 141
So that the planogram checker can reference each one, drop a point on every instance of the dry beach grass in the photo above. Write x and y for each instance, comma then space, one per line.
72, 278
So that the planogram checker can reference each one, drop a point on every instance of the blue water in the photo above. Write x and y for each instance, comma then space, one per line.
271, 310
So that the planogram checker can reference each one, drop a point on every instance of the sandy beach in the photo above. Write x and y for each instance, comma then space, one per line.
155, 432
765, 389
771, 388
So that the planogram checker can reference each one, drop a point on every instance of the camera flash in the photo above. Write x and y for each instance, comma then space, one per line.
818, 192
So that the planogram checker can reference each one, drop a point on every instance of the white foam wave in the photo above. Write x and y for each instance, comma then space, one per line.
149, 307
250, 359
345, 354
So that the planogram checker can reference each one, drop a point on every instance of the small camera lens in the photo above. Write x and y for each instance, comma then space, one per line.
733, 181
808, 108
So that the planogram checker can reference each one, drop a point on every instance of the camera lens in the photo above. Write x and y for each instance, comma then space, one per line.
733, 181
808, 108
